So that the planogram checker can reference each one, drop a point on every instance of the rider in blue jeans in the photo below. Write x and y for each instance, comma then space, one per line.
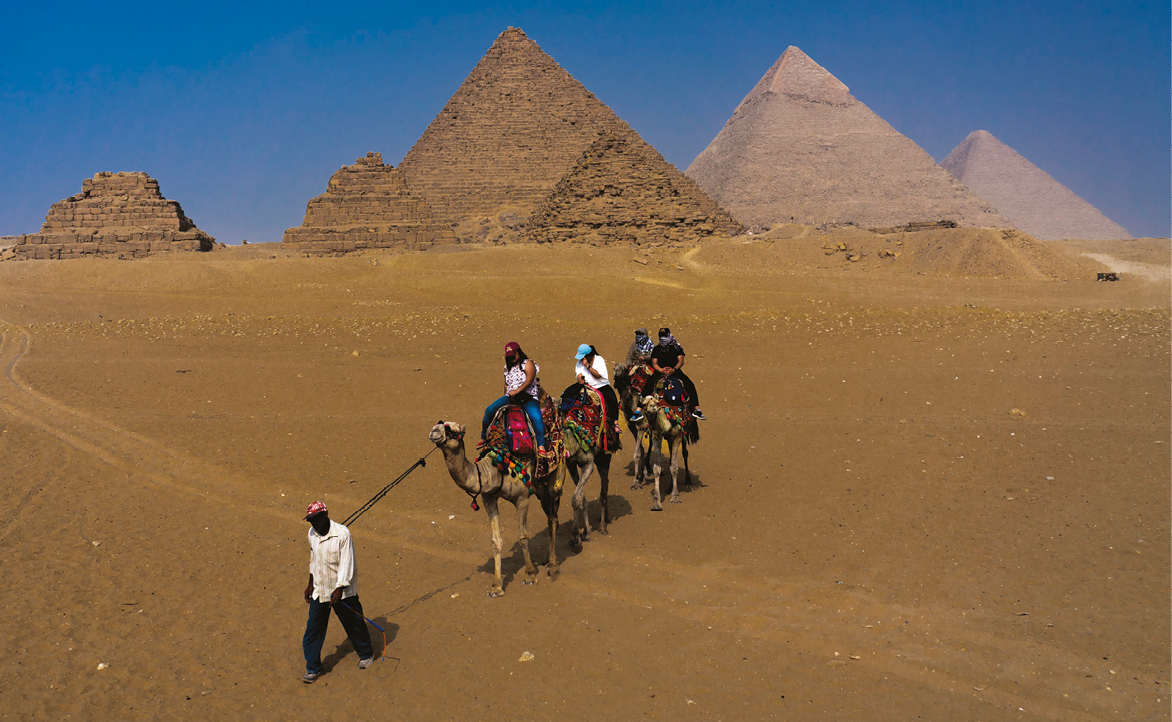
521, 389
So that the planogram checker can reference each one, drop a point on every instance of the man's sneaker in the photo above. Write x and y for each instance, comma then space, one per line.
698, 414
637, 417
364, 663
310, 677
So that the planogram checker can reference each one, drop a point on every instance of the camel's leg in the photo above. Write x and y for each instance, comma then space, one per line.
656, 470
687, 472
674, 446
642, 457
523, 521
550, 503
638, 458
603, 463
581, 511
576, 531
494, 520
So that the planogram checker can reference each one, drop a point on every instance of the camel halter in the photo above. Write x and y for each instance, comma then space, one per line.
449, 434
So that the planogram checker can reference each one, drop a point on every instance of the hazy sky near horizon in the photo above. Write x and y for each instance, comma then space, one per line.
242, 111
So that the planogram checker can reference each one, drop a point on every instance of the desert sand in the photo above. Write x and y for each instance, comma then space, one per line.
929, 488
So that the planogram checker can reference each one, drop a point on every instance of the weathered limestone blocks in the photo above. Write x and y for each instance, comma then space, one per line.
116, 214
623, 191
367, 205
516, 125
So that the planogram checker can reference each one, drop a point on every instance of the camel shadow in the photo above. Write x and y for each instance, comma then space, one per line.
346, 648
514, 563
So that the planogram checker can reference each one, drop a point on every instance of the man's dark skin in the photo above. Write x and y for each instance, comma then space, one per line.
321, 524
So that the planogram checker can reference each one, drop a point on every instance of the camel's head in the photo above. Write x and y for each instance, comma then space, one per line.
445, 433
650, 405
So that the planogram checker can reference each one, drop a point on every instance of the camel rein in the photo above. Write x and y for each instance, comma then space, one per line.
378, 497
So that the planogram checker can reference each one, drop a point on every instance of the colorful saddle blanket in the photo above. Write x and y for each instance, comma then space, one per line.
584, 420
498, 449
672, 403
638, 375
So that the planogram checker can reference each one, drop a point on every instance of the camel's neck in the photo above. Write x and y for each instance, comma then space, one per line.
463, 471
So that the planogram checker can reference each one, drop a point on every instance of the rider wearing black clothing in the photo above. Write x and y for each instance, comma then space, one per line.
668, 359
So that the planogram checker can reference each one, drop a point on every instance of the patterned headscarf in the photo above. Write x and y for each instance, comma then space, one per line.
665, 337
643, 343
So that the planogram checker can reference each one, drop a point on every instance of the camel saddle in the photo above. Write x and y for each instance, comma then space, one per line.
511, 441
584, 417
638, 375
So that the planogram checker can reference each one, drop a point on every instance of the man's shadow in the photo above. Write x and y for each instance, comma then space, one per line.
376, 641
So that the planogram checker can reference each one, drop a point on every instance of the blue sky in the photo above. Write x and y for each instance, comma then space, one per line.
242, 111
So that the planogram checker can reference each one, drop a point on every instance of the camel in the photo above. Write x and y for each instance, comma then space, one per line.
628, 403
485, 480
581, 464
677, 436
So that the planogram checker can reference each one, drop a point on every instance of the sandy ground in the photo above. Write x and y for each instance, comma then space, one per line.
876, 534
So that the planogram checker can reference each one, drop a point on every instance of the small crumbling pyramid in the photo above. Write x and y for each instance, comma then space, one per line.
116, 214
367, 205
622, 190
1025, 194
516, 125
800, 148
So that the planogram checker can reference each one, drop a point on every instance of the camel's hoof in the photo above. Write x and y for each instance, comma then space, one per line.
675, 499
603, 532
529, 582
636, 486
586, 538
493, 593
553, 572
656, 507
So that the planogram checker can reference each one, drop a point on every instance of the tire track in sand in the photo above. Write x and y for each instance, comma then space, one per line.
999, 670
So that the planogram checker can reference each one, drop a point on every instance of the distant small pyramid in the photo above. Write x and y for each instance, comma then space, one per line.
366, 205
1025, 194
120, 215
800, 147
517, 124
623, 191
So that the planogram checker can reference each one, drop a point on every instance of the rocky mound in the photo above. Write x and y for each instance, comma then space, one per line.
516, 125
116, 214
800, 148
623, 191
1025, 194
366, 205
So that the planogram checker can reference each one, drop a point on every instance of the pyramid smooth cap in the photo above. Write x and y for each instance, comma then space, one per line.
796, 75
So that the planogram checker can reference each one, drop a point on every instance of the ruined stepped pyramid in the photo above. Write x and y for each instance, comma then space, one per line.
116, 214
1025, 194
622, 190
801, 147
366, 205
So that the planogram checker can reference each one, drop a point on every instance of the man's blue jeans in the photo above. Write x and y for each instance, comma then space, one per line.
319, 620
532, 408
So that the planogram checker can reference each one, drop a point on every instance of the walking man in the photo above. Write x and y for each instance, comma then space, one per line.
332, 576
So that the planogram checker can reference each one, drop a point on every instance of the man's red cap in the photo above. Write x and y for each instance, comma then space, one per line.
314, 509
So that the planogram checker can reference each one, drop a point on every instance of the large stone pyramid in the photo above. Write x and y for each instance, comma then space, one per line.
1024, 193
366, 205
622, 190
517, 124
800, 147
116, 214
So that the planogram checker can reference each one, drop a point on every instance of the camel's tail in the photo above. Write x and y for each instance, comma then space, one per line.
693, 429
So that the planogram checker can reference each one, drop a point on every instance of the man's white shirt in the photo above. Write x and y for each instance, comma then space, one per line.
331, 562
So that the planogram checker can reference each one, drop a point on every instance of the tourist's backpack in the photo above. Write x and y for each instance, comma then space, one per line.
673, 391
517, 429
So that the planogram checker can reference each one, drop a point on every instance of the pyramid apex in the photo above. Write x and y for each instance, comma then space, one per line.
797, 75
